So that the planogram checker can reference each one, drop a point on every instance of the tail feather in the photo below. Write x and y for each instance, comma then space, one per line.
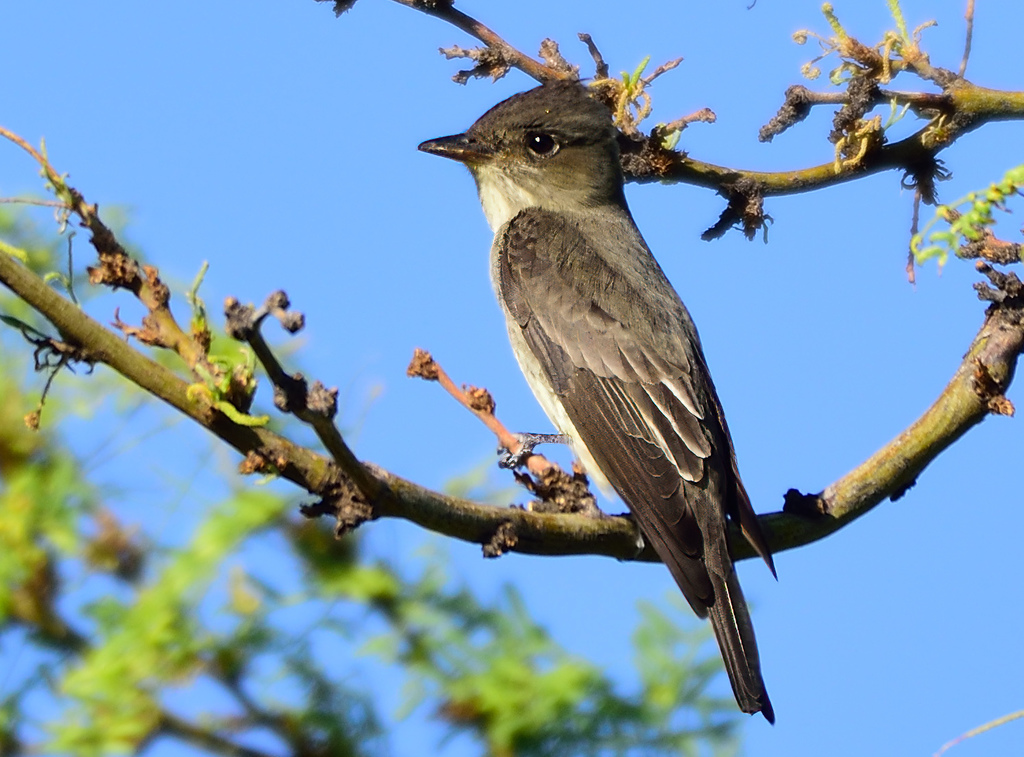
735, 634
726, 608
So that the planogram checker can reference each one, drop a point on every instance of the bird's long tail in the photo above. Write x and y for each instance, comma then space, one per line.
735, 633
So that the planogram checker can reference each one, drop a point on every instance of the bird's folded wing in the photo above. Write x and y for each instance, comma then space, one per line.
631, 381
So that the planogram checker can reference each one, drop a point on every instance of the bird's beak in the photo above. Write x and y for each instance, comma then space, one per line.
460, 147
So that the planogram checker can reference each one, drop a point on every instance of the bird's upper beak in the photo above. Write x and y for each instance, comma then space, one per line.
461, 147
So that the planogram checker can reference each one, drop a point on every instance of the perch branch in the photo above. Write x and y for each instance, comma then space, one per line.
976, 389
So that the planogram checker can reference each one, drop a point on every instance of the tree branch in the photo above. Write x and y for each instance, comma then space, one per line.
645, 162
203, 737
860, 146
976, 389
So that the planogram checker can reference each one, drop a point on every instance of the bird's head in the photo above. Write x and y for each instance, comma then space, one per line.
552, 147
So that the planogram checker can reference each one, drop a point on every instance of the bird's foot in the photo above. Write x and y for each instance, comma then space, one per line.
527, 442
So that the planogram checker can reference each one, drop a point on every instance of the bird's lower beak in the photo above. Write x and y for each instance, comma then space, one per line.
460, 147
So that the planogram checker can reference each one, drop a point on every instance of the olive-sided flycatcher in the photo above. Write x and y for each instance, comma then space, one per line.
609, 349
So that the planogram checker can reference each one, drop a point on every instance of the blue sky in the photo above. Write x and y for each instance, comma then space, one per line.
279, 144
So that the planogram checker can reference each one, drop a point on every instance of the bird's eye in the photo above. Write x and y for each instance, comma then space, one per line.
542, 145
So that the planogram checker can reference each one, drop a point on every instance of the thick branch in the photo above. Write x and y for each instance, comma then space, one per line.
980, 381
976, 389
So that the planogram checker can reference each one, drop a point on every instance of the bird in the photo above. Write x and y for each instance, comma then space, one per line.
608, 348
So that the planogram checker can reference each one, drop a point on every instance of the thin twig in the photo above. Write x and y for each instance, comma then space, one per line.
425, 366
664, 68
24, 145
33, 201
600, 67
474, 28
915, 221
704, 115
969, 17
316, 406
980, 729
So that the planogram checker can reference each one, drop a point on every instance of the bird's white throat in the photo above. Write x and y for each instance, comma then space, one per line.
501, 196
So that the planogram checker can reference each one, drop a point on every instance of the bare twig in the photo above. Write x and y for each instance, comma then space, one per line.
32, 201
314, 405
915, 221
486, 62
968, 36
478, 402
474, 28
600, 67
664, 68
799, 101
704, 115
24, 145
553, 57
980, 730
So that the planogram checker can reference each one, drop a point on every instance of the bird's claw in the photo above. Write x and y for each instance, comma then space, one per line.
527, 442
